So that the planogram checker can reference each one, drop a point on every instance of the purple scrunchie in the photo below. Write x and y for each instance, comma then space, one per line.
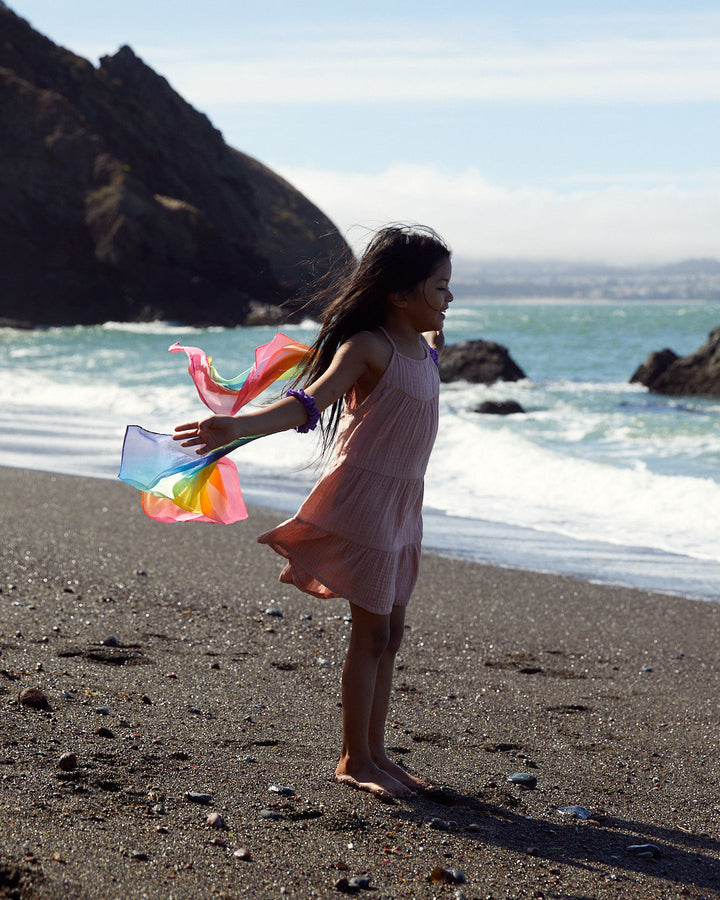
313, 413
434, 355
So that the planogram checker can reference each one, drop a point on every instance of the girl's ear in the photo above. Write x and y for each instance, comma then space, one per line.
397, 299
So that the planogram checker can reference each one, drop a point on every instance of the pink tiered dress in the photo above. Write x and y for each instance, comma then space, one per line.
358, 534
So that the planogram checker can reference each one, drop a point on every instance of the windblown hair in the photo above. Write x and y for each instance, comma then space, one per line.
398, 258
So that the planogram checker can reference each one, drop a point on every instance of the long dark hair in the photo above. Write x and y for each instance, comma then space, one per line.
398, 258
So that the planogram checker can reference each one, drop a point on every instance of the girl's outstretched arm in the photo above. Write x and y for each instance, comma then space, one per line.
363, 357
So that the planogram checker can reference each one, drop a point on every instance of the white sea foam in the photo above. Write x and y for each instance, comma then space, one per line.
598, 479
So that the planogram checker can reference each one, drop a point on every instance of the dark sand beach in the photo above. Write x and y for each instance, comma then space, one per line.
160, 635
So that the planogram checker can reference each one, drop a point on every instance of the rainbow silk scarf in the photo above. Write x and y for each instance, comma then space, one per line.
178, 485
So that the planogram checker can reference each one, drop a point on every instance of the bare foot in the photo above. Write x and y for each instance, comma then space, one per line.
395, 772
373, 779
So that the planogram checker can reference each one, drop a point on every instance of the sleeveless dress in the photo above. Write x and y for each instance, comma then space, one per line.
358, 533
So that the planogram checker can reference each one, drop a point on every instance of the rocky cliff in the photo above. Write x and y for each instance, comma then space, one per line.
118, 200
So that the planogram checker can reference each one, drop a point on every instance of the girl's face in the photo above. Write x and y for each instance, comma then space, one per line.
428, 302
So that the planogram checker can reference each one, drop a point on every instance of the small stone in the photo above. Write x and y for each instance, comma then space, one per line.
110, 641
194, 797
161, 829
646, 851
218, 842
34, 698
139, 855
352, 885
67, 695
102, 731
271, 814
145, 699
273, 611
281, 789
215, 820
215, 665
68, 762
439, 875
243, 853
473, 826
103, 710
439, 824
38, 667
646, 669
524, 779
576, 812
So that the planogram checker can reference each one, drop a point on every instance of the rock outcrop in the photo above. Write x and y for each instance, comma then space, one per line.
480, 362
118, 200
665, 372
499, 408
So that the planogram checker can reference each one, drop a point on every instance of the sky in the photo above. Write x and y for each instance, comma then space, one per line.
577, 131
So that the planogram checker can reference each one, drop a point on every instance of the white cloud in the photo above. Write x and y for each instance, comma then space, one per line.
621, 223
609, 69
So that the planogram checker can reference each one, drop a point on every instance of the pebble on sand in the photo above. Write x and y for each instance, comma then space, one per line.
524, 779
68, 762
647, 851
102, 731
576, 812
271, 814
215, 820
193, 797
34, 698
439, 875
353, 885
281, 789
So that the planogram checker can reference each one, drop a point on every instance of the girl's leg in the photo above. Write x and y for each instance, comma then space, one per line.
381, 703
368, 643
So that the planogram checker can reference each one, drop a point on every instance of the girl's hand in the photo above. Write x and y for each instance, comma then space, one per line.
209, 434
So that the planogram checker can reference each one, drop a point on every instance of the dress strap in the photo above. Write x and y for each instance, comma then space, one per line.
392, 342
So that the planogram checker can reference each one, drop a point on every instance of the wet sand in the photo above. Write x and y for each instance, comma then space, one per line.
160, 635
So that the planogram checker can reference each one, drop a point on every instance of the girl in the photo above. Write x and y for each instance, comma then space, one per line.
373, 370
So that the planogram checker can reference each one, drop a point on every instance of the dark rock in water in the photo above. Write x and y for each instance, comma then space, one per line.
480, 362
34, 698
119, 200
499, 408
699, 373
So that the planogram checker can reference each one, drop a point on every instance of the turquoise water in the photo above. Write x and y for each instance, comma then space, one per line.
599, 478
